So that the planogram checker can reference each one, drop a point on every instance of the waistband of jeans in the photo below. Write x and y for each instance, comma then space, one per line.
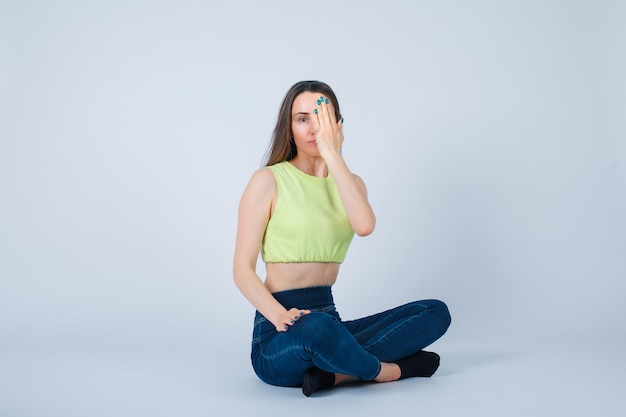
309, 297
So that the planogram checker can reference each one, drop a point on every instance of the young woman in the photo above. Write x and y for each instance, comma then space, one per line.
301, 211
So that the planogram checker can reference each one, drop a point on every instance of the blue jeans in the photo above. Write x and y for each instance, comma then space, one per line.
354, 347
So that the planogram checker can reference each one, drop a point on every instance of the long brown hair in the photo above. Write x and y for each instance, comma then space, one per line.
283, 147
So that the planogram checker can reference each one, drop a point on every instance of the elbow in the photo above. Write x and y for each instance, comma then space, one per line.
236, 278
238, 275
365, 228
242, 271
239, 281
365, 231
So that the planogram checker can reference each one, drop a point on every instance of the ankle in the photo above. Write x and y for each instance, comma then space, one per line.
388, 372
339, 378
317, 380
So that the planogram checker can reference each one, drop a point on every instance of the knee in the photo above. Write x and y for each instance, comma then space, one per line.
440, 310
317, 322
318, 328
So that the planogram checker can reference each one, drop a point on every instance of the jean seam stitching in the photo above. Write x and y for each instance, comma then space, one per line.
394, 329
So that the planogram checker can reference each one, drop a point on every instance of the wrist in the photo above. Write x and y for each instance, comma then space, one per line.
276, 317
330, 155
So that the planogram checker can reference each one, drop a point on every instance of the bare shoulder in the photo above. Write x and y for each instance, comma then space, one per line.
262, 184
263, 177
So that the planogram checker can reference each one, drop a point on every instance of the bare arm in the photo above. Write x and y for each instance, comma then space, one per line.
254, 213
329, 137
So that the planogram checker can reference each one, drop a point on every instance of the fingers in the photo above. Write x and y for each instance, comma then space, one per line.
318, 112
290, 318
316, 119
325, 112
328, 131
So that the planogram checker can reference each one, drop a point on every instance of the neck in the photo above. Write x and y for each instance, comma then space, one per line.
311, 165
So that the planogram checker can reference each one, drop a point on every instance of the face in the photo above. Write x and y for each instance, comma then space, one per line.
302, 124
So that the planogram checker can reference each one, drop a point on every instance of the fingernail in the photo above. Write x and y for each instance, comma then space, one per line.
326, 101
315, 111
302, 313
319, 102
321, 97
292, 322
295, 317
285, 328
342, 120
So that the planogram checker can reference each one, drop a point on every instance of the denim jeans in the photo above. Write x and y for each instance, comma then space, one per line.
354, 347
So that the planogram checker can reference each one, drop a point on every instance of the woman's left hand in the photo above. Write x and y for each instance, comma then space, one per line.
328, 131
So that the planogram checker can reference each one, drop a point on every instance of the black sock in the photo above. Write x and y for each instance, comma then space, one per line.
316, 380
421, 363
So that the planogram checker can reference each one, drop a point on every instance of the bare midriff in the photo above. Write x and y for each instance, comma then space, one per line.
289, 276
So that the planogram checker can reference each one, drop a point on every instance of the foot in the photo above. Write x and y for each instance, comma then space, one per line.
422, 364
317, 380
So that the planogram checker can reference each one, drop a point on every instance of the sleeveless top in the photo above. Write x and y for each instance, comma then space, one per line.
309, 223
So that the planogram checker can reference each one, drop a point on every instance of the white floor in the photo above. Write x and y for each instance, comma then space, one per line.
559, 379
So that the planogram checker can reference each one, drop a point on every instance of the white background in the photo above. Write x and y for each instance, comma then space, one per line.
491, 137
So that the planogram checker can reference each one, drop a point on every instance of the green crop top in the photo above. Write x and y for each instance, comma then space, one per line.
309, 223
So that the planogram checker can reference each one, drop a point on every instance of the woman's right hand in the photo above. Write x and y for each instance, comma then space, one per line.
289, 318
